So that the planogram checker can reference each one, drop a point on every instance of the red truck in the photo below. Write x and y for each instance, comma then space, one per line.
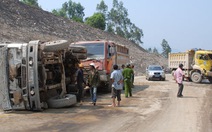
104, 54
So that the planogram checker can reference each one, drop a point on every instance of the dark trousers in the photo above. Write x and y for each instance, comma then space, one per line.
180, 90
80, 93
116, 93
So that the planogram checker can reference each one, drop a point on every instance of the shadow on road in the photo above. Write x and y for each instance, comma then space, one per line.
138, 88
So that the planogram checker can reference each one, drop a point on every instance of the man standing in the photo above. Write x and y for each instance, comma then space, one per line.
80, 80
122, 68
127, 74
178, 76
117, 80
93, 81
133, 76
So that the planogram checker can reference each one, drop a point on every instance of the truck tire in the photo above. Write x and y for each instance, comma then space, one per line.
55, 45
66, 101
210, 79
78, 49
196, 77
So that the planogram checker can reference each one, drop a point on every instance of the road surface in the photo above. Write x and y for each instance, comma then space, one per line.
154, 107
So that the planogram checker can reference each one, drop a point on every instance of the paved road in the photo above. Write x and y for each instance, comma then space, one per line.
154, 107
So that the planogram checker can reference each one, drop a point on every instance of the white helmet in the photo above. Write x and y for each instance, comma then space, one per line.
92, 64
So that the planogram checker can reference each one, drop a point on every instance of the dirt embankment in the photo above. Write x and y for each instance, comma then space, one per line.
22, 23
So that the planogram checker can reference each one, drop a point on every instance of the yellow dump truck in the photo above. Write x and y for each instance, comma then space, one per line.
197, 64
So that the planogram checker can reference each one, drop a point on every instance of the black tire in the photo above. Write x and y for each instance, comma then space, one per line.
78, 49
80, 55
210, 79
55, 45
196, 77
66, 101
149, 79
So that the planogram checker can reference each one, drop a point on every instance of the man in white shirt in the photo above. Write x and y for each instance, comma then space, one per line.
117, 81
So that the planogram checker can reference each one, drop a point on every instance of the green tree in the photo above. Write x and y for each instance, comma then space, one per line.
166, 49
31, 3
119, 23
149, 50
102, 8
97, 21
155, 51
71, 10
60, 12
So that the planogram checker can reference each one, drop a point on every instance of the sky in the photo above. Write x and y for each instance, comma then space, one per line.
184, 24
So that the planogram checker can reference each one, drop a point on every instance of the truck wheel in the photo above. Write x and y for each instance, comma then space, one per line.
210, 79
66, 101
55, 45
196, 77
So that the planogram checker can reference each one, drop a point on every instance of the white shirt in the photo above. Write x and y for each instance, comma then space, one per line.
117, 76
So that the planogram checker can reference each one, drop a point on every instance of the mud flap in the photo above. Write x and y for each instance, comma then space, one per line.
4, 79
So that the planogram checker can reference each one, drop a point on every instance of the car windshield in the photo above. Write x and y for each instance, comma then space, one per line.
94, 50
155, 68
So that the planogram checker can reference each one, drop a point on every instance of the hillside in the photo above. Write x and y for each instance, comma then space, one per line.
22, 23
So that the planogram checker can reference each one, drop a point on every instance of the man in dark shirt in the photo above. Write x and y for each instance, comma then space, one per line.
80, 80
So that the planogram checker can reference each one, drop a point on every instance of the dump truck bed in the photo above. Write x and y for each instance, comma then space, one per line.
186, 58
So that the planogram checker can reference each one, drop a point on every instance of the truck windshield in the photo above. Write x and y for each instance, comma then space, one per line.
94, 50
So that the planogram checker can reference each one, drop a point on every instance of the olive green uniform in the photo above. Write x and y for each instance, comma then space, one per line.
127, 74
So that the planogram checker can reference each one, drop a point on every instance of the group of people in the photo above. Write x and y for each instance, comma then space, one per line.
93, 80
121, 78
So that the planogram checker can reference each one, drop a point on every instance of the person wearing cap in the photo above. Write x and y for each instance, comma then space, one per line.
116, 80
80, 81
127, 74
178, 76
93, 81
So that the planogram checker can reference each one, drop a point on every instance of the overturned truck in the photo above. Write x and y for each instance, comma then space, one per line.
37, 75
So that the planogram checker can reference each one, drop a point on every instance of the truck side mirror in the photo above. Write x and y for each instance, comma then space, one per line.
111, 50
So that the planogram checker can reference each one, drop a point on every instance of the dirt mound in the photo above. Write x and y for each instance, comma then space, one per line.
22, 23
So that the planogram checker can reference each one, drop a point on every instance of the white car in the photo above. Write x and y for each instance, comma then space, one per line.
155, 72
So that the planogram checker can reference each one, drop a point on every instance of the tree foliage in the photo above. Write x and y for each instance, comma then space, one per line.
155, 51
119, 23
166, 49
114, 21
102, 8
149, 50
97, 21
71, 10
31, 2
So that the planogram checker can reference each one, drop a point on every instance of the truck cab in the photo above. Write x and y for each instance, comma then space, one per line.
104, 54
202, 67
35, 75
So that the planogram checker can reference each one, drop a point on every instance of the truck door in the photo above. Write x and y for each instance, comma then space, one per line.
4, 78
203, 61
